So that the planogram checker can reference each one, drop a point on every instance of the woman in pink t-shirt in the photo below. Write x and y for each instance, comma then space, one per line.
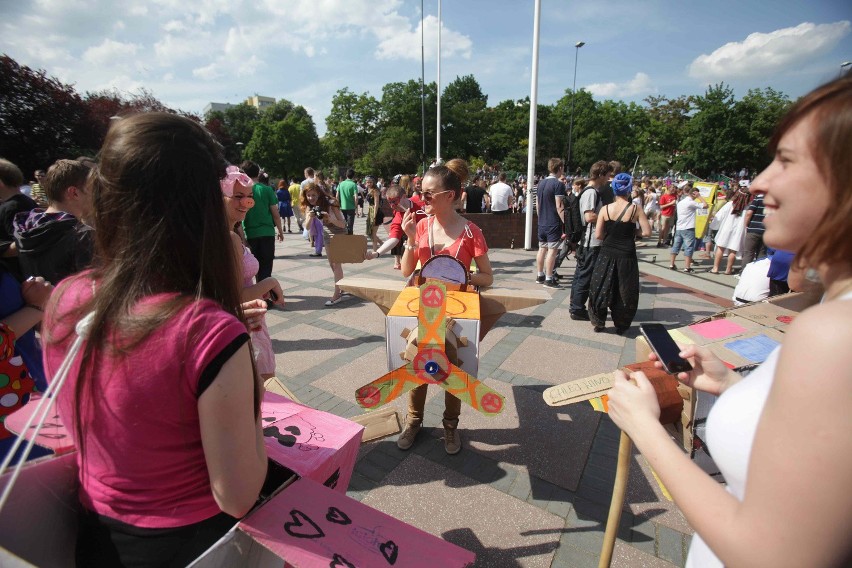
163, 402
444, 232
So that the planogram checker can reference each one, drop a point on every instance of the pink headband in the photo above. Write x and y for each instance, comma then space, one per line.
233, 176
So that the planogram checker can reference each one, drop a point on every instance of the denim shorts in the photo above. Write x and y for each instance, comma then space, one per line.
685, 238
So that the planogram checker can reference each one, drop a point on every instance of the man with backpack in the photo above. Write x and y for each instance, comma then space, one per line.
587, 254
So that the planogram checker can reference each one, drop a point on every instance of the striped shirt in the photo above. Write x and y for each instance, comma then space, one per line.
755, 225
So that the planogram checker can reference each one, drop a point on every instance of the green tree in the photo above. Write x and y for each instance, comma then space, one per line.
234, 128
284, 141
350, 127
713, 133
400, 107
507, 134
394, 150
759, 111
38, 117
463, 118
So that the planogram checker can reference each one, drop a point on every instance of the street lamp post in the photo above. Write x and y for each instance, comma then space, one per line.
577, 46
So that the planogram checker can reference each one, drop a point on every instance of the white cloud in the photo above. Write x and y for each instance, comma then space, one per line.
762, 54
110, 52
405, 44
174, 26
641, 84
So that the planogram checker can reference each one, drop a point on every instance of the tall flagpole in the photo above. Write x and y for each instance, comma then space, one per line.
438, 133
422, 92
533, 119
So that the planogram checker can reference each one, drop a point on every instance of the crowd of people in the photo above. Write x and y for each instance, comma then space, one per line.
169, 251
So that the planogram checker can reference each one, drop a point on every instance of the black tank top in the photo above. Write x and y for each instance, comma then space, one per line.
620, 235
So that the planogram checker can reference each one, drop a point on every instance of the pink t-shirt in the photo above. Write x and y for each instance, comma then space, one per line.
470, 244
144, 463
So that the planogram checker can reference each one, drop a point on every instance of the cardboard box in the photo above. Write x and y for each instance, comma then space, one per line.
314, 444
308, 523
310, 527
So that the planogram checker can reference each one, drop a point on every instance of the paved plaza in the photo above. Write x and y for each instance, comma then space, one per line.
532, 486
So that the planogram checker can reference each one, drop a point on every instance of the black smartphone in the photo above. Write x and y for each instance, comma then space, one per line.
405, 204
666, 349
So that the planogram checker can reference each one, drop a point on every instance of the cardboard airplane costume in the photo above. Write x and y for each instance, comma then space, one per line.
449, 318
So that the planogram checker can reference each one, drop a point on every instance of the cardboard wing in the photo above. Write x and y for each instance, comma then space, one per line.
347, 249
383, 293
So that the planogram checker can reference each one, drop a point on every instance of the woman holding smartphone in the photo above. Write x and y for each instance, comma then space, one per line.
780, 436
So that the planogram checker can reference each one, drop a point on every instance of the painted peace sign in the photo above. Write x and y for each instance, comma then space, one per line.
368, 396
491, 403
432, 296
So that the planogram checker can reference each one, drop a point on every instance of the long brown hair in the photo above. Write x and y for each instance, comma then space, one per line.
830, 108
161, 228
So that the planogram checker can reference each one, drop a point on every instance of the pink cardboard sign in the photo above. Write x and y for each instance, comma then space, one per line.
311, 527
717, 329
314, 444
53, 435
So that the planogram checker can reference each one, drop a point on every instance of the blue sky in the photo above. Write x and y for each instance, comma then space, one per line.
189, 53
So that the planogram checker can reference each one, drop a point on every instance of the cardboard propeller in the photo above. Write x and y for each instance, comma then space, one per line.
430, 364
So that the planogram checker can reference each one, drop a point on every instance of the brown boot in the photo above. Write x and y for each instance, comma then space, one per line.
409, 433
452, 438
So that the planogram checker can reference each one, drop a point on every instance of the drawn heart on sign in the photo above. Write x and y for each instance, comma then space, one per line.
333, 479
302, 526
337, 516
340, 562
390, 551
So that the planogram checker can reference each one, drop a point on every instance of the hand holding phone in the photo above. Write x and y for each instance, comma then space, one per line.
667, 351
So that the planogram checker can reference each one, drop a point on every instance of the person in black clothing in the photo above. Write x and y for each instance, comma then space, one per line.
615, 280
475, 195
12, 202
753, 242
55, 242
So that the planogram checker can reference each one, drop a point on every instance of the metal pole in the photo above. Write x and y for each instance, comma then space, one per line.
438, 132
422, 92
533, 120
577, 47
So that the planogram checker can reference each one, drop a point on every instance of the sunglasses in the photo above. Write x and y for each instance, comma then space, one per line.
428, 195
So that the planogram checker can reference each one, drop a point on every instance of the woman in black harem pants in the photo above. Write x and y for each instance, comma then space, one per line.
615, 279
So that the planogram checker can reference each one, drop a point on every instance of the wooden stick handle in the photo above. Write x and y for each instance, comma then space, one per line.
619, 488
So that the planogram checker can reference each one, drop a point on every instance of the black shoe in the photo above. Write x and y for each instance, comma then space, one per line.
580, 317
598, 328
315, 254
672, 267
621, 330
556, 276
551, 284
540, 279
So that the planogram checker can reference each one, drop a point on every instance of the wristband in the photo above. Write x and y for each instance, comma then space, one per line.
378, 254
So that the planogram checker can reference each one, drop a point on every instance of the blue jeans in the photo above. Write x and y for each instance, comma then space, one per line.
685, 238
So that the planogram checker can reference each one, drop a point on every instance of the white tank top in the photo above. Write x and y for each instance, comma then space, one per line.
731, 426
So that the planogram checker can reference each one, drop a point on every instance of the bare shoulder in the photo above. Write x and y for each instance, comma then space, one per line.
820, 338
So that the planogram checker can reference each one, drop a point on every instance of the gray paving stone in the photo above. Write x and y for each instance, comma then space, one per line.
522, 487
670, 545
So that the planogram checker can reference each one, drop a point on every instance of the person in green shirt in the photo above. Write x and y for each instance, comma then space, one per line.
261, 222
347, 193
